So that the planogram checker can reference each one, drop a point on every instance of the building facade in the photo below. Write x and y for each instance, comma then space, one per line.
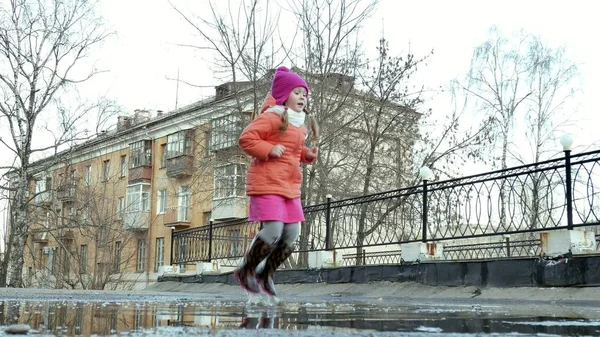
102, 213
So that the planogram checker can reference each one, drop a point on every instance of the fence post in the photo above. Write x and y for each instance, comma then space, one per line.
507, 246
425, 174
210, 239
566, 141
328, 238
172, 245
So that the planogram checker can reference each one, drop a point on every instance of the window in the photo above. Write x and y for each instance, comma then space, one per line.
123, 166
160, 253
106, 170
183, 201
120, 208
161, 202
207, 142
141, 255
225, 132
83, 250
181, 251
138, 198
229, 181
207, 216
141, 153
117, 266
65, 253
103, 236
88, 175
235, 242
42, 188
85, 214
179, 144
163, 155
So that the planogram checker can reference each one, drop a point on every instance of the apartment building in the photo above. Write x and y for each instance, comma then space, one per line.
102, 213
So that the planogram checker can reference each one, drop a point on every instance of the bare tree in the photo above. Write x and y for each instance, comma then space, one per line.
520, 79
239, 45
42, 45
83, 235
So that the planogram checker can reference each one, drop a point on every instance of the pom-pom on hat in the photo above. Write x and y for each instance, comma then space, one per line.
284, 82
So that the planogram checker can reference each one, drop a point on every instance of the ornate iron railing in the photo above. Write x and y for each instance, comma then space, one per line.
519, 200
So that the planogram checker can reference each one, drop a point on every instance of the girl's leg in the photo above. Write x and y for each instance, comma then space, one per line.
284, 248
262, 245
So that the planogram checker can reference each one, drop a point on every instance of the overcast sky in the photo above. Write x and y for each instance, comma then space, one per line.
144, 52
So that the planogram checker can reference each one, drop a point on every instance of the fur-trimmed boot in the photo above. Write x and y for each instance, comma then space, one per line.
246, 273
265, 277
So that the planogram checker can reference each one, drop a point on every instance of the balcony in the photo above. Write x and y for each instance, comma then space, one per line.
67, 192
43, 198
180, 166
140, 174
67, 236
41, 238
136, 221
178, 217
229, 208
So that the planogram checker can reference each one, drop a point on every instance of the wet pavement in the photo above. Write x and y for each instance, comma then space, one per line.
147, 314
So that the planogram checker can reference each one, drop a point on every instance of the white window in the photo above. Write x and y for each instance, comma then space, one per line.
42, 190
161, 202
225, 132
88, 175
183, 203
230, 181
141, 255
120, 208
85, 214
235, 243
123, 166
179, 144
83, 259
160, 253
141, 153
138, 198
106, 170
117, 261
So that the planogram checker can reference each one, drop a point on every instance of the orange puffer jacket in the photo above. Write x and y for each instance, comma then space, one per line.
269, 175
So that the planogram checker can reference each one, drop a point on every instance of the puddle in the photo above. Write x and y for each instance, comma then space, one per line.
326, 319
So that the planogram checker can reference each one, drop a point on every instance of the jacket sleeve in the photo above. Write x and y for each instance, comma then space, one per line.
252, 140
303, 158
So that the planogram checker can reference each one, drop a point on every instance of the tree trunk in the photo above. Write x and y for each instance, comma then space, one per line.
360, 234
19, 232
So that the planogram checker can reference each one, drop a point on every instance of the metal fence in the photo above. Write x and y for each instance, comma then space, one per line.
555, 194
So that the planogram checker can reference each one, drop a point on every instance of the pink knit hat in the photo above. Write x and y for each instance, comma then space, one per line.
284, 82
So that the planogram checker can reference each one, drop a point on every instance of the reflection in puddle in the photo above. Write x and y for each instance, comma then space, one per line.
89, 318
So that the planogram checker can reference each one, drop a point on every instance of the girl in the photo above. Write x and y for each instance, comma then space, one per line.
275, 140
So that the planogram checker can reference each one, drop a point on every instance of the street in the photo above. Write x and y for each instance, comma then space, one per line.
232, 313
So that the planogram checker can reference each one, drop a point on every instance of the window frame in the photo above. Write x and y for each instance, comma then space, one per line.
233, 183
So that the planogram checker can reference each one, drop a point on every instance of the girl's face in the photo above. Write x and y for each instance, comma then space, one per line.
297, 99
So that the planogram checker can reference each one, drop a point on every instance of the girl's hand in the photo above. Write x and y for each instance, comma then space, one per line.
311, 153
277, 151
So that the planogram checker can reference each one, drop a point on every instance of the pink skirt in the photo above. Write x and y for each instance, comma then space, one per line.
271, 207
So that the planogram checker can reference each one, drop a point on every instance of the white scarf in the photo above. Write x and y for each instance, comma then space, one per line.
294, 117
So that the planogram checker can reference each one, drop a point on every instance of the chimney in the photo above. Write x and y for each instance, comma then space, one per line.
140, 116
222, 90
123, 123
